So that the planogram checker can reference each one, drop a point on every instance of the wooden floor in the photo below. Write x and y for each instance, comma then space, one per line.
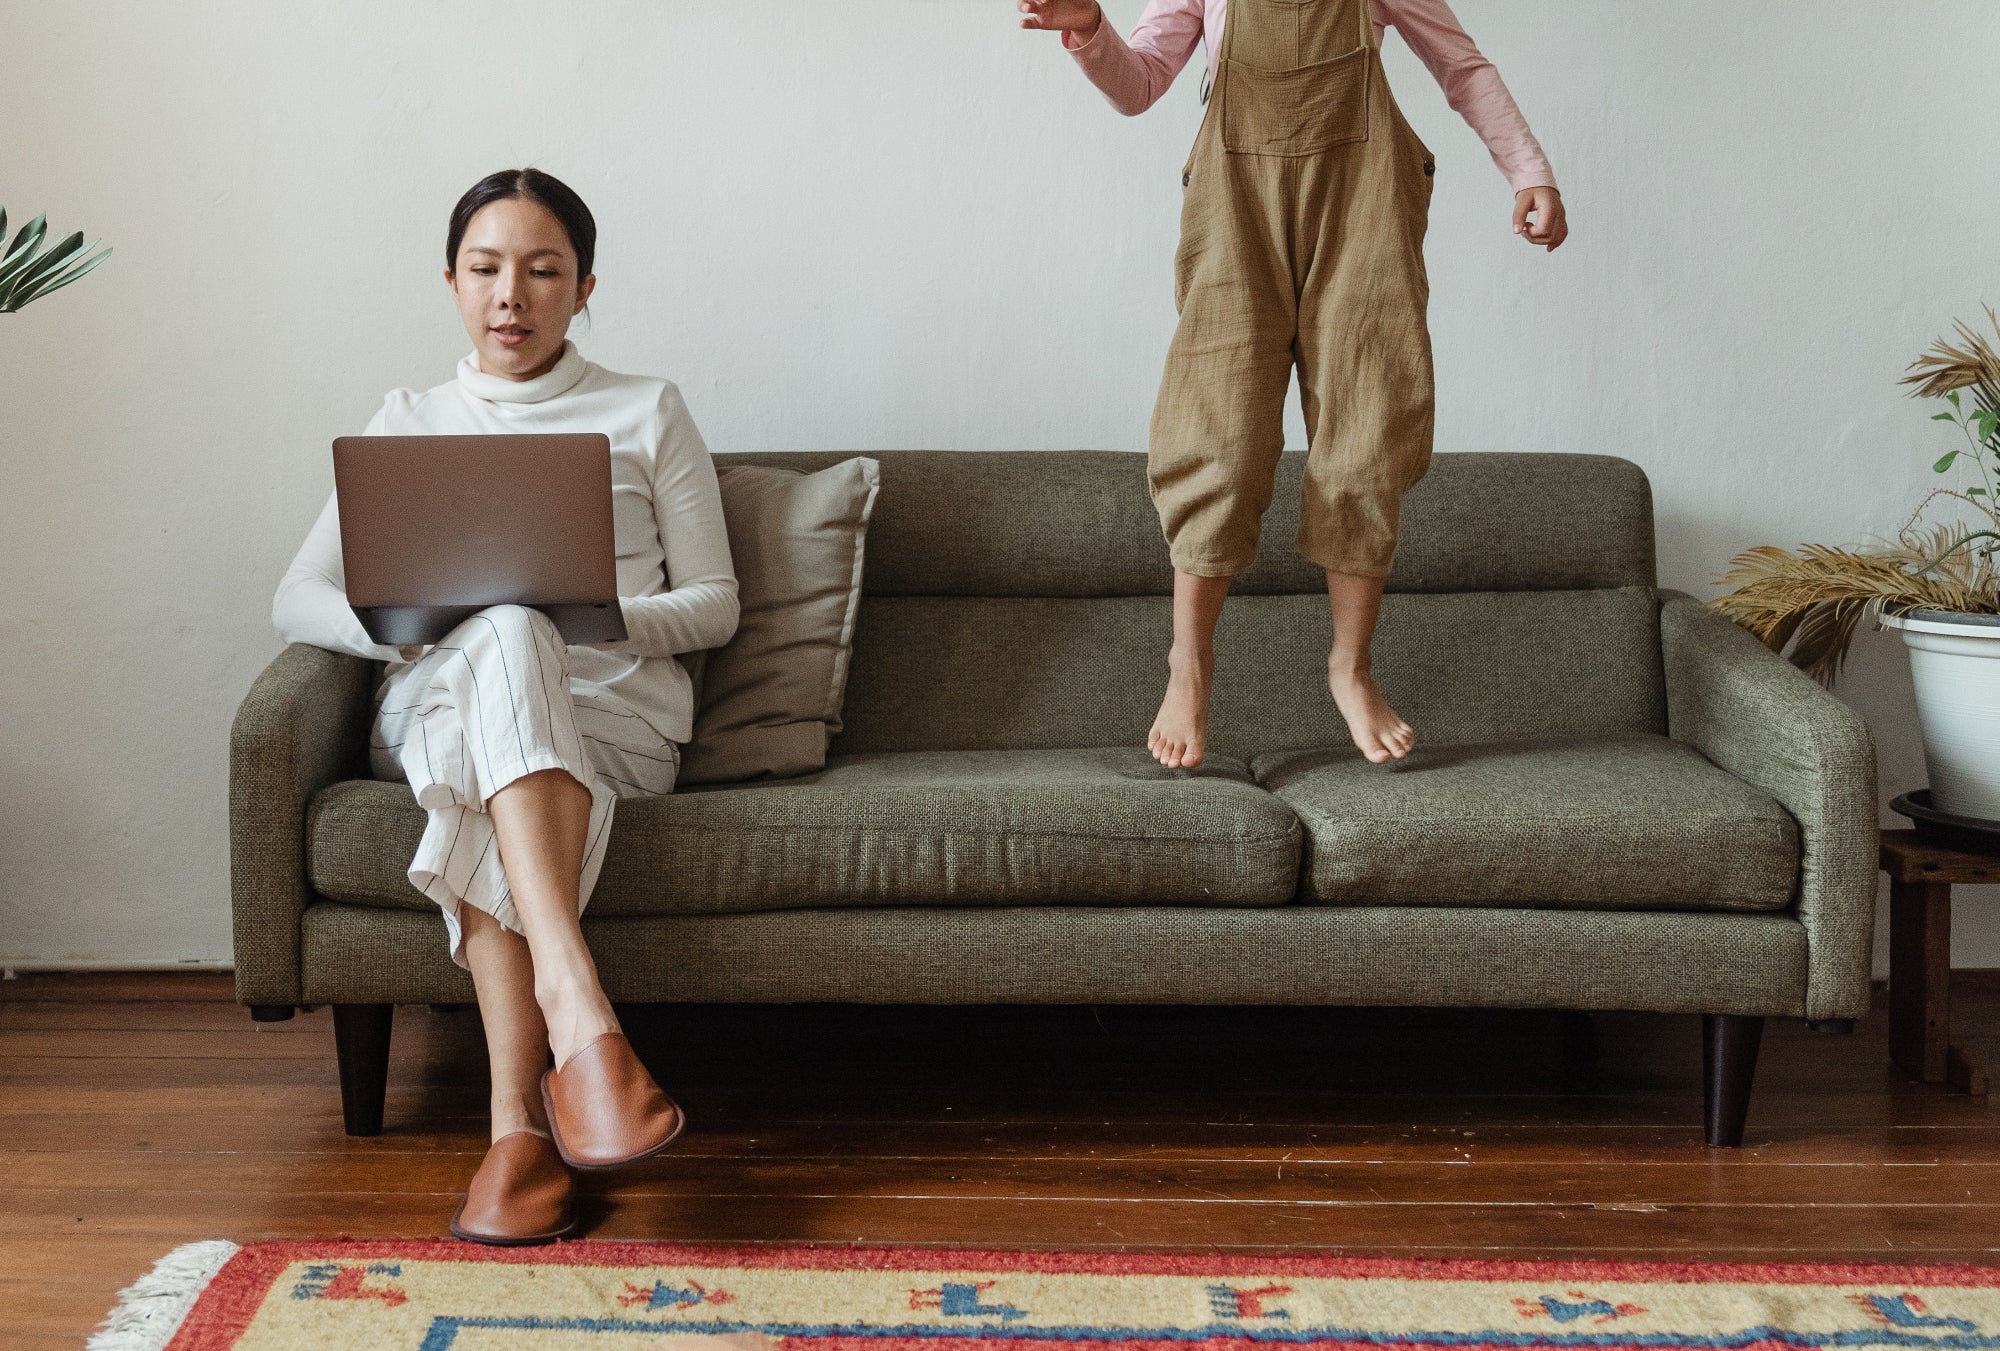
137, 1113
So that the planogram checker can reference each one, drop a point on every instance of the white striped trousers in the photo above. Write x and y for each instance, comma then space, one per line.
491, 702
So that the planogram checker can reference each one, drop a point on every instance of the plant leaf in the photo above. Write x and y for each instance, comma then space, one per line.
1945, 463
31, 235
56, 283
31, 268
1951, 397
44, 266
23, 249
1943, 417
53, 259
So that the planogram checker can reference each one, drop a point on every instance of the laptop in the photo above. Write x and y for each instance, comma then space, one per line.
434, 529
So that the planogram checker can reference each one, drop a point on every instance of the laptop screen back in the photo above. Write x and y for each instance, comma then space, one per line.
476, 520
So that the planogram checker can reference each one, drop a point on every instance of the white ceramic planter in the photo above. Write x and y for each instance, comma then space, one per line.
1955, 662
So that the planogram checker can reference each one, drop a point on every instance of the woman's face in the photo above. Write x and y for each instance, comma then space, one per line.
517, 288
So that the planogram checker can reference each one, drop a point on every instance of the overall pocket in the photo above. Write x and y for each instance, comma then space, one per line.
1296, 112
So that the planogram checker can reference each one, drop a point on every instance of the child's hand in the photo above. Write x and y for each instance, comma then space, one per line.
1549, 226
1080, 17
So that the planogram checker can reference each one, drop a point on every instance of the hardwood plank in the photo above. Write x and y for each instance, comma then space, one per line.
309, 1122
1523, 1229
1384, 1048
95, 986
236, 1087
177, 1046
57, 1289
447, 1170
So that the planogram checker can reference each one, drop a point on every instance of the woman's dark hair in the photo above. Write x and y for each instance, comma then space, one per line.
536, 186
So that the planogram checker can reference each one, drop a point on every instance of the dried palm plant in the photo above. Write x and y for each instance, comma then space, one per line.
1813, 599
1974, 365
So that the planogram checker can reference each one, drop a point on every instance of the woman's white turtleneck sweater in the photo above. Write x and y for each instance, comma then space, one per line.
675, 579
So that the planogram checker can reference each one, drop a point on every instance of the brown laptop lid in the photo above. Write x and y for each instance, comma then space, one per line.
454, 521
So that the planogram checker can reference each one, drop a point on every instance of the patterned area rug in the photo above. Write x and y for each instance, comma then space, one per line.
430, 1296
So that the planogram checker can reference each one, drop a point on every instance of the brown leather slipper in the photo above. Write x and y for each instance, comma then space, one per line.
604, 1109
521, 1195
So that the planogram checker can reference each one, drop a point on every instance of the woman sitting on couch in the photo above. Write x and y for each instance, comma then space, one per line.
519, 746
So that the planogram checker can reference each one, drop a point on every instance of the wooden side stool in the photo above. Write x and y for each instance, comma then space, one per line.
1921, 876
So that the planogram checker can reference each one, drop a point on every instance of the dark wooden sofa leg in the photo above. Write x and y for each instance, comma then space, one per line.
361, 1040
271, 1013
1729, 1044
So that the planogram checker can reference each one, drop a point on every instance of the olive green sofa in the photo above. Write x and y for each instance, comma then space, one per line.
1620, 800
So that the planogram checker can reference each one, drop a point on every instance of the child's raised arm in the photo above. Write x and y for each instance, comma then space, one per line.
1080, 17
1132, 75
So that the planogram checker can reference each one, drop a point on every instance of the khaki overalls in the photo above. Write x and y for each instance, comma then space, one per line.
1302, 232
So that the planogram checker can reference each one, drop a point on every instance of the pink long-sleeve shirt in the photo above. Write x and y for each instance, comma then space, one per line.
1134, 72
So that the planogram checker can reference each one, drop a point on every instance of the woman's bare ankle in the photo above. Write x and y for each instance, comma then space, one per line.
575, 1017
516, 1112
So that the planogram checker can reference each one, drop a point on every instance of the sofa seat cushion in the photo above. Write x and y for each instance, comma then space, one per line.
1056, 827
1616, 823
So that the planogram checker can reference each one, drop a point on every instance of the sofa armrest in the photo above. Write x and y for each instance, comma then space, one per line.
1756, 715
303, 725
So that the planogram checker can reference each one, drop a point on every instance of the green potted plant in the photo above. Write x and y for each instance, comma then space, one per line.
1935, 582
29, 272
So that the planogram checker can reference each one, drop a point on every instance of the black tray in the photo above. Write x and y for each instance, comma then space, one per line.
1975, 834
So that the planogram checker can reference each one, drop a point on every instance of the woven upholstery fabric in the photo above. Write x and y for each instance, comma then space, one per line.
995, 673
990, 828
1757, 716
1081, 523
1565, 959
1620, 823
303, 725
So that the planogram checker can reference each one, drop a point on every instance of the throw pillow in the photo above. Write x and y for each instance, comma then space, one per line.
770, 697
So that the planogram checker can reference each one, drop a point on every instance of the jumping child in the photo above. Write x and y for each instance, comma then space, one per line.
1303, 212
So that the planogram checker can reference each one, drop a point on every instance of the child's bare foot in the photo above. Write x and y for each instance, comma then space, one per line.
1381, 735
1180, 733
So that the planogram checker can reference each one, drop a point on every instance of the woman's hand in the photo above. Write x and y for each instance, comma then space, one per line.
411, 651
1550, 226
1080, 17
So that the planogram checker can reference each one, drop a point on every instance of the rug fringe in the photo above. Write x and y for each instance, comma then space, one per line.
152, 1307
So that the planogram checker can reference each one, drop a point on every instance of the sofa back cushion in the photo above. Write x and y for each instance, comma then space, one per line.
1021, 600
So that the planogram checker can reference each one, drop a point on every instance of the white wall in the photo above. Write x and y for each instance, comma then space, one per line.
896, 224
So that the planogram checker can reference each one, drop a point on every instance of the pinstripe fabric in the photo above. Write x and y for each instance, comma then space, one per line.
491, 702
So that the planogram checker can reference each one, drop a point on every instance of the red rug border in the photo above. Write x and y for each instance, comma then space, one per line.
232, 1298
